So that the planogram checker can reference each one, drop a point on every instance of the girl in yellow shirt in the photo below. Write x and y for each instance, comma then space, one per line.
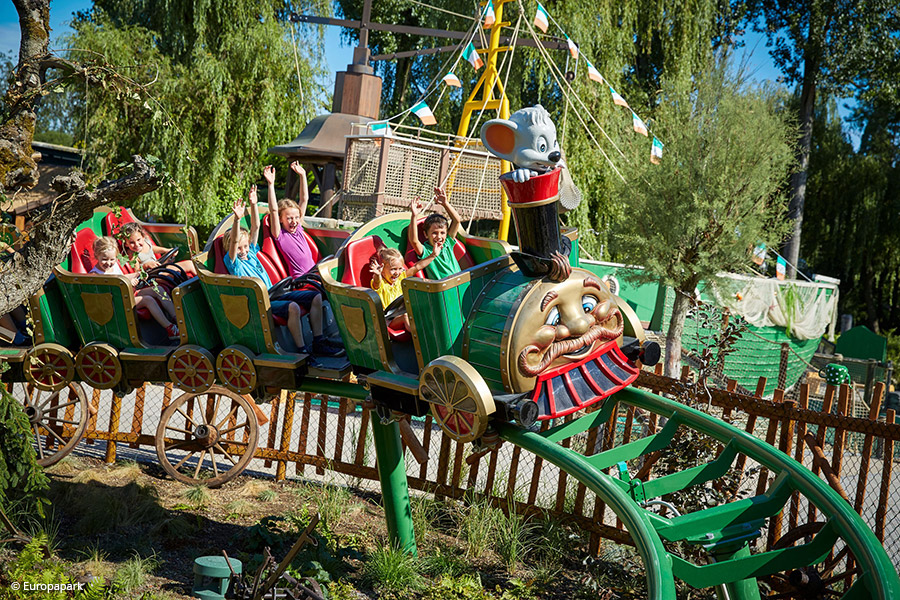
388, 270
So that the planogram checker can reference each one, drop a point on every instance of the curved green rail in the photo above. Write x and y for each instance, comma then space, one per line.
730, 526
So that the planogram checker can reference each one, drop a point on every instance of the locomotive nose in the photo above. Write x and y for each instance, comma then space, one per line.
555, 156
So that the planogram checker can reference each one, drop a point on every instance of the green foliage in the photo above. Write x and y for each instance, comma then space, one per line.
22, 480
478, 527
32, 566
716, 193
267, 496
470, 587
514, 539
392, 572
224, 88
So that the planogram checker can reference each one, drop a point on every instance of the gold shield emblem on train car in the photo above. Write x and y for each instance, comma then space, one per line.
237, 310
98, 307
355, 321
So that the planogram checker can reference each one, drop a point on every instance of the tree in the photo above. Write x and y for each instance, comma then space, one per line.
37, 72
714, 195
825, 47
225, 86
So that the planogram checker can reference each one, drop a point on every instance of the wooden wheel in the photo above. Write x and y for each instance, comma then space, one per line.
98, 366
192, 368
830, 578
216, 430
58, 420
235, 369
460, 399
49, 367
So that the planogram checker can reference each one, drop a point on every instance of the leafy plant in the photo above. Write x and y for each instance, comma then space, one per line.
21, 478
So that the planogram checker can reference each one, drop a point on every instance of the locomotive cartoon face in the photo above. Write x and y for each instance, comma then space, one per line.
558, 326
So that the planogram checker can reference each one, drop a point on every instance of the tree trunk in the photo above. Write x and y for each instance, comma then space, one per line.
798, 179
676, 329
17, 167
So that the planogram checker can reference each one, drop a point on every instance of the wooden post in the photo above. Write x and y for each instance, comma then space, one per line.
886, 472
114, 414
290, 399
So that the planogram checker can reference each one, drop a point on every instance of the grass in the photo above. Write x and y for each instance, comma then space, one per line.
133, 573
514, 539
445, 560
333, 502
237, 508
197, 495
478, 527
267, 496
390, 570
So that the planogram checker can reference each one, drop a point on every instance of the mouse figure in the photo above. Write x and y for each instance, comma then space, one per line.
528, 140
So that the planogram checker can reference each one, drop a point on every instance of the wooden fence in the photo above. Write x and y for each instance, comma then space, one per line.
318, 436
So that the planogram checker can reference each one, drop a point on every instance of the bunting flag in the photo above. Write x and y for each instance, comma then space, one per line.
471, 55
380, 128
573, 48
424, 113
452, 80
780, 268
759, 254
617, 99
638, 125
489, 16
656, 153
593, 73
541, 18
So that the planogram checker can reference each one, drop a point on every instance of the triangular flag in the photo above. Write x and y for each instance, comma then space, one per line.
573, 48
489, 17
424, 113
380, 128
593, 73
617, 99
638, 124
541, 18
656, 151
780, 268
471, 55
452, 80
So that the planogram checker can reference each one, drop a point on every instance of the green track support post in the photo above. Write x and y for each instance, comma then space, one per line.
394, 487
746, 589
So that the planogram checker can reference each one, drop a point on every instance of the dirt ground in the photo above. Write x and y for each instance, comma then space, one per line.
104, 516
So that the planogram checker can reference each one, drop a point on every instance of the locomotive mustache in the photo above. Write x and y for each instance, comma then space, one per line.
557, 349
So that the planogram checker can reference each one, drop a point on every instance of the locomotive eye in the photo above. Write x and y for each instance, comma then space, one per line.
589, 303
543, 147
553, 317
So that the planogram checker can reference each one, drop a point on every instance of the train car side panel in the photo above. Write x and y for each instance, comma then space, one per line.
102, 307
52, 323
195, 319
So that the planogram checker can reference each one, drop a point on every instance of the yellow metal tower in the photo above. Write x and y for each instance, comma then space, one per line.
489, 80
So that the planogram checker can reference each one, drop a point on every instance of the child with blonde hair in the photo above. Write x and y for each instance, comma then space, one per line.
106, 252
388, 270
286, 227
241, 259
138, 246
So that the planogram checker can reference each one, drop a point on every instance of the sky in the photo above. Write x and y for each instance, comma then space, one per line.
337, 55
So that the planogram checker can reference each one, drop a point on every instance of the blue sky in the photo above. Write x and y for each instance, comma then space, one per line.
337, 56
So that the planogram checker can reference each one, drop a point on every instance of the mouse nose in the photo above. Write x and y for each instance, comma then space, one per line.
555, 156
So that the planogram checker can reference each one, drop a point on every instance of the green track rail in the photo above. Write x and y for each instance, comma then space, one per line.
725, 530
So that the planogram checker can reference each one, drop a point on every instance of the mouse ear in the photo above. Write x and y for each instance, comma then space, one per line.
499, 136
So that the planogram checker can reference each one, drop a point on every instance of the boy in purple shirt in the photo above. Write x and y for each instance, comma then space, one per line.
286, 226
241, 259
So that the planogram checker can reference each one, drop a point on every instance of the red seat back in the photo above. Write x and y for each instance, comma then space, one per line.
82, 252
270, 249
219, 251
112, 223
355, 260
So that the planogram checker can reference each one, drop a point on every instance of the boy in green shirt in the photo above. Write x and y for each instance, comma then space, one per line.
440, 237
